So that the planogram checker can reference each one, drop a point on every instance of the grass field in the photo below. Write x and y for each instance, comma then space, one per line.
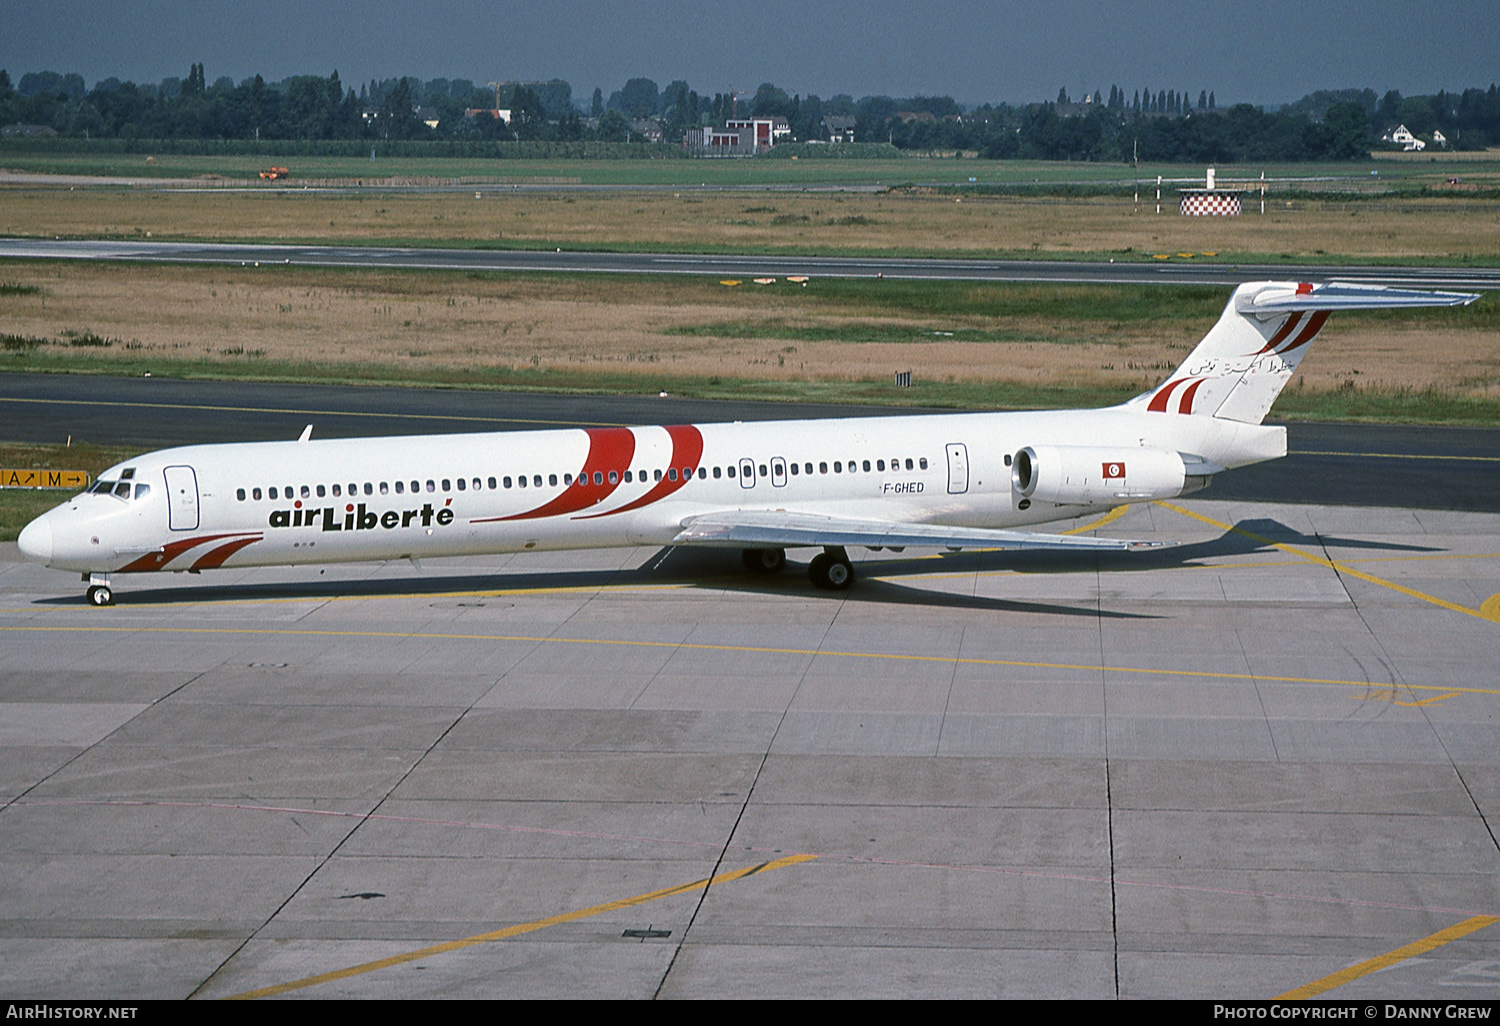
911, 222
833, 338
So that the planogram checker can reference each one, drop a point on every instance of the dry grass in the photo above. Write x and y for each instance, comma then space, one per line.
633, 326
910, 221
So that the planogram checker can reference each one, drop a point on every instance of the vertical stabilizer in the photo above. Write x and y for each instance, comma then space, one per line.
1245, 360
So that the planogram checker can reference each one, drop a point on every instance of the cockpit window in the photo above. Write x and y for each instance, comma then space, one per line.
102, 487
127, 474
142, 490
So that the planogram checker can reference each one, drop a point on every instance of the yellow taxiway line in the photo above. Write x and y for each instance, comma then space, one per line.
690, 646
1487, 611
1390, 958
519, 928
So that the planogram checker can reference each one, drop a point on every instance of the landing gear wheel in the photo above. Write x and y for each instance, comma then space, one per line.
100, 595
766, 561
831, 572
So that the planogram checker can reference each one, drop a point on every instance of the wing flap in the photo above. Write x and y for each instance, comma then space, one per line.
782, 529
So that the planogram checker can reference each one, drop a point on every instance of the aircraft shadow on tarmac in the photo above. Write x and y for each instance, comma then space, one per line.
878, 581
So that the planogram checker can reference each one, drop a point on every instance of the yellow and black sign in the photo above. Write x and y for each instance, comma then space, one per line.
43, 478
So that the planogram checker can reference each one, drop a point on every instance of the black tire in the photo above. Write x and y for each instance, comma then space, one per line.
100, 595
765, 561
830, 573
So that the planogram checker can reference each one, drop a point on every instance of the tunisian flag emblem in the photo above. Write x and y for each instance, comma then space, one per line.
1114, 471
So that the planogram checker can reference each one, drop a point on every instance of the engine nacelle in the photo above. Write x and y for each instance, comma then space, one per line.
1088, 474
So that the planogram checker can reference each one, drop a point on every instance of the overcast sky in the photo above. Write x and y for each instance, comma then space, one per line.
1263, 51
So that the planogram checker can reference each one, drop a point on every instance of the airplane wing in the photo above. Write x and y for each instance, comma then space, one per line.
781, 529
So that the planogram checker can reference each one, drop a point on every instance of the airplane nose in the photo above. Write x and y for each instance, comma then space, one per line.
35, 541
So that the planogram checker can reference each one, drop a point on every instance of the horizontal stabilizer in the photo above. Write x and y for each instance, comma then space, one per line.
781, 529
1285, 297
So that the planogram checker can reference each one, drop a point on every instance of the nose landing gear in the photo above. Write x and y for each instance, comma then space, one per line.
99, 593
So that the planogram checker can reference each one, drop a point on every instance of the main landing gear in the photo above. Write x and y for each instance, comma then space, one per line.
99, 593
829, 570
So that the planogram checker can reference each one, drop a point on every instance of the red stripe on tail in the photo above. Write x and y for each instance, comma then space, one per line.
1281, 333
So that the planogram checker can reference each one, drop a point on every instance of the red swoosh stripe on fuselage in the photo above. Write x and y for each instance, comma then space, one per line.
170, 551
1185, 405
215, 557
610, 449
1164, 395
687, 450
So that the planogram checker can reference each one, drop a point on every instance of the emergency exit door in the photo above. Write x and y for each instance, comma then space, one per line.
958, 468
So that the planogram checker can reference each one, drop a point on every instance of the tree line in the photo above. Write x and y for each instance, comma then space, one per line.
1142, 123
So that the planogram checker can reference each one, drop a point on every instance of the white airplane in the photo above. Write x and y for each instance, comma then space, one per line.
948, 480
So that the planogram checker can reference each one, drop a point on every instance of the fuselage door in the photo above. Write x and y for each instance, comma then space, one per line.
747, 473
182, 498
958, 468
778, 472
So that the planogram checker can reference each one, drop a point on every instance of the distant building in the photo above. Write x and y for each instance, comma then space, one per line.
717, 142
498, 113
840, 127
648, 128
762, 133
1439, 139
740, 137
1401, 137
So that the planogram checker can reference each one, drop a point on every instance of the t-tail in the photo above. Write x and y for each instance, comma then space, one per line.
1246, 359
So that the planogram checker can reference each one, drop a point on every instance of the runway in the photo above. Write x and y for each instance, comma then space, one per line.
1258, 762
514, 260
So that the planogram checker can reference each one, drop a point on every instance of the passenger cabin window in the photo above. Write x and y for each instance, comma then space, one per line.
462, 485
255, 494
239, 493
272, 492
337, 491
400, 487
